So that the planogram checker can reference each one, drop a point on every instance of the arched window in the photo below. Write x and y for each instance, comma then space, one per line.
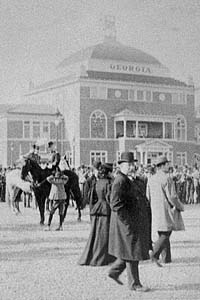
98, 124
180, 128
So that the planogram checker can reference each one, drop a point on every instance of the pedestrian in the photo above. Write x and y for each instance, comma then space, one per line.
125, 227
96, 250
53, 163
164, 203
90, 184
58, 196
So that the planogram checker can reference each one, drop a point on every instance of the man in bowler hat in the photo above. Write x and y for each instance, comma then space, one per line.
124, 226
162, 196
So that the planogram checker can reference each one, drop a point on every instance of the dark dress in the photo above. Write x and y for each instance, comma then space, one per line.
96, 250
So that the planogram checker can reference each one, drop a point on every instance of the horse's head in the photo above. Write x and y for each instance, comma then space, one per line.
30, 166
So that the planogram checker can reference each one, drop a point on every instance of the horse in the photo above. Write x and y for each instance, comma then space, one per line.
41, 187
14, 185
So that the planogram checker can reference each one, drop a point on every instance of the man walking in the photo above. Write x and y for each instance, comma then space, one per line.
163, 198
124, 233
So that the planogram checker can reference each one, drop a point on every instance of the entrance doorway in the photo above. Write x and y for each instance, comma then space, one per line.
152, 157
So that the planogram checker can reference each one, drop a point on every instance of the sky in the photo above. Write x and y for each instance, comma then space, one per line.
36, 35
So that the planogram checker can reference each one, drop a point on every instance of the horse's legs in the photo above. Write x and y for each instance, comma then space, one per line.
65, 210
41, 205
17, 200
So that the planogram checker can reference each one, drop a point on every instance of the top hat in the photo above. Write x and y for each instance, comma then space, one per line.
162, 160
127, 157
108, 166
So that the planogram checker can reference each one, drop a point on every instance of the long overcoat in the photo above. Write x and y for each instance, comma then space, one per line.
162, 196
126, 222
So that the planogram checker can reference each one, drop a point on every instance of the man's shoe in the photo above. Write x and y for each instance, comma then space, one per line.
59, 228
115, 278
139, 288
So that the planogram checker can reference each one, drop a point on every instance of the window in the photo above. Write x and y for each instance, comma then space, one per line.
179, 98
140, 95
118, 155
181, 129
93, 92
181, 158
45, 129
119, 129
103, 92
130, 128
197, 134
36, 129
169, 130
175, 98
98, 155
131, 95
148, 96
170, 156
183, 98
142, 129
26, 129
98, 124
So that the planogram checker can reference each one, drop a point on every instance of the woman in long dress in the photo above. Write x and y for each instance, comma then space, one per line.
96, 249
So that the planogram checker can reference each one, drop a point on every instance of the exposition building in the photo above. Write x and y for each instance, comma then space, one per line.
117, 98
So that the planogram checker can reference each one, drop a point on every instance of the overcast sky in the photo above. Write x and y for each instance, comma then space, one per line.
36, 35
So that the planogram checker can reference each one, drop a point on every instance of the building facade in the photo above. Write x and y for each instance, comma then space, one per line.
117, 98
23, 125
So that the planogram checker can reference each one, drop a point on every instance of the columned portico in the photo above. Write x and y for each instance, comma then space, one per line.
151, 150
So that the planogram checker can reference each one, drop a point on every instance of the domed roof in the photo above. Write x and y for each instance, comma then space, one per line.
111, 50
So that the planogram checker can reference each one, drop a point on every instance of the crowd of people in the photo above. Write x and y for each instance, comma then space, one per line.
133, 210
187, 179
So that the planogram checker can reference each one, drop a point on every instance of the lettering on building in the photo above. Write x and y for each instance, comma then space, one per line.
130, 68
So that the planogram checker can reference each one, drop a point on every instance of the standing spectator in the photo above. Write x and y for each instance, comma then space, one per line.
96, 250
53, 163
163, 198
82, 176
195, 176
57, 195
90, 184
125, 227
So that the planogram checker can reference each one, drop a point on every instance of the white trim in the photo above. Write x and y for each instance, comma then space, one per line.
135, 85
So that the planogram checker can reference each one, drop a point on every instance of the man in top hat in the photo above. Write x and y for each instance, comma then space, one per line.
162, 196
124, 226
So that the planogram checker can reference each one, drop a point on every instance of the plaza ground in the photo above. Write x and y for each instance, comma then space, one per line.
40, 265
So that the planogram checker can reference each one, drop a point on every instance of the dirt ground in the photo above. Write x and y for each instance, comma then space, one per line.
40, 265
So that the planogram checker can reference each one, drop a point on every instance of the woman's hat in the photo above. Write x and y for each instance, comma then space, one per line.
127, 157
162, 160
